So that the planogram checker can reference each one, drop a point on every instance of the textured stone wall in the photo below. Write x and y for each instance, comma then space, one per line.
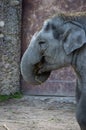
10, 33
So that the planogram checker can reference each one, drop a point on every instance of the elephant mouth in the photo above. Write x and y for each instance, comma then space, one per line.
40, 78
30, 71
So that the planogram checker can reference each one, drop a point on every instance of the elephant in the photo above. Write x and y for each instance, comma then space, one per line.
59, 43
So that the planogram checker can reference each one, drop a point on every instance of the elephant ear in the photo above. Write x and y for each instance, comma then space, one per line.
73, 38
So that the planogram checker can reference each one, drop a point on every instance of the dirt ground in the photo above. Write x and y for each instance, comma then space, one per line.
35, 113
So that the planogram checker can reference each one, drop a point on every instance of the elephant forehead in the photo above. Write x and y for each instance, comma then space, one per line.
56, 21
44, 35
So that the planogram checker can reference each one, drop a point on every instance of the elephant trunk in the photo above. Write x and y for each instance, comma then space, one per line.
30, 63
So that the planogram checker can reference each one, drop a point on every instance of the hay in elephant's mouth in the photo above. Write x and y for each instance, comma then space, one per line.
42, 77
38, 66
36, 69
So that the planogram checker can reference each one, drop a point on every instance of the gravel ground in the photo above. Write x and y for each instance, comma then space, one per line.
38, 113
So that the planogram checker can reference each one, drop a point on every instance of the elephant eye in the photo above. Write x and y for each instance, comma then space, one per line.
41, 42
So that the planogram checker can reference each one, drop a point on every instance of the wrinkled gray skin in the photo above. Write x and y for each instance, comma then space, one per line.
61, 42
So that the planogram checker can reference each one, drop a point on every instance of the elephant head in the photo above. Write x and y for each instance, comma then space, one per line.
31, 61
51, 48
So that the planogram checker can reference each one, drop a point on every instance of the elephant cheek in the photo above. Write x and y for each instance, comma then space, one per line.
29, 68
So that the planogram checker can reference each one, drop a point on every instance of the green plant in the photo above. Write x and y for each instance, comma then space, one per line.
16, 95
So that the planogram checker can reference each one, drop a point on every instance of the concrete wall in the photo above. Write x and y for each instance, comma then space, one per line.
10, 45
